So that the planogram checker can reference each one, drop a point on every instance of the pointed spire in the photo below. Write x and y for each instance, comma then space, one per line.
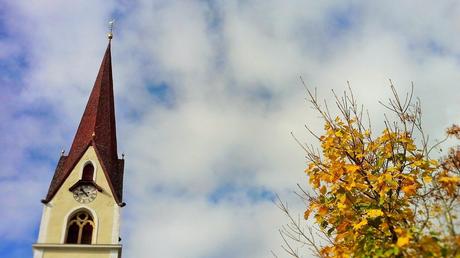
97, 128
98, 120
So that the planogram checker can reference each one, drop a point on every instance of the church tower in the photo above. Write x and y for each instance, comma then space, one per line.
81, 213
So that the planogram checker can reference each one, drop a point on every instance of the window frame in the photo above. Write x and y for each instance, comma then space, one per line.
76, 219
71, 214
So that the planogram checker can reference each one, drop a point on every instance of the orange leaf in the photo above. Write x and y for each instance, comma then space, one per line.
409, 189
307, 214
323, 189
323, 210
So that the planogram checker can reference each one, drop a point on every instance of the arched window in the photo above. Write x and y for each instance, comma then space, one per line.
80, 229
88, 172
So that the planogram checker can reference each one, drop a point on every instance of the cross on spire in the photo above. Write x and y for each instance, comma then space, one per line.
110, 33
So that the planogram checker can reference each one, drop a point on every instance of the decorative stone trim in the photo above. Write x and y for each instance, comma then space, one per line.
76, 246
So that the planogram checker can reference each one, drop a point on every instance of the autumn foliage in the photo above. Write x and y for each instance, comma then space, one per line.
377, 194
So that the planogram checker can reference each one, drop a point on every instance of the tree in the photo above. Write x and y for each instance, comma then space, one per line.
376, 195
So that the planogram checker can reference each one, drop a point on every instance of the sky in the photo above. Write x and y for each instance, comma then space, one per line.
207, 94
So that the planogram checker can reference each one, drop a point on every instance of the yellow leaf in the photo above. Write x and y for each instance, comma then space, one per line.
418, 163
351, 168
342, 198
388, 178
402, 241
434, 162
360, 224
409, 189
341, 206
448, 179
427, 179
411, 147
405, 140
392, 169
360, 155
361, 186
367, 133
374, 213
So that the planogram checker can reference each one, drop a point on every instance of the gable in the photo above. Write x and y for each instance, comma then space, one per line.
114, 176
75, 175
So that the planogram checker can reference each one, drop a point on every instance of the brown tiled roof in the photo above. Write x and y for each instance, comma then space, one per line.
97, 128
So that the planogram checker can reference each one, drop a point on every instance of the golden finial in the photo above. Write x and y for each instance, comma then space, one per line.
110, 33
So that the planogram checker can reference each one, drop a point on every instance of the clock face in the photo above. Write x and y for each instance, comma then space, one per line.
84, 193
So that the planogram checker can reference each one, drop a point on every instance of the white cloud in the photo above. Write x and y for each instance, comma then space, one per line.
234, 97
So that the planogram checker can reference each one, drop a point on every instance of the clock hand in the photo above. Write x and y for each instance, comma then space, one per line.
84, 192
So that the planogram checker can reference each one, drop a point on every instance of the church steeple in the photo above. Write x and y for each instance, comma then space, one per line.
97, 128
81, 215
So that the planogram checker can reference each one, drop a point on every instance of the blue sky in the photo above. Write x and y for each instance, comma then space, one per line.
207, 93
